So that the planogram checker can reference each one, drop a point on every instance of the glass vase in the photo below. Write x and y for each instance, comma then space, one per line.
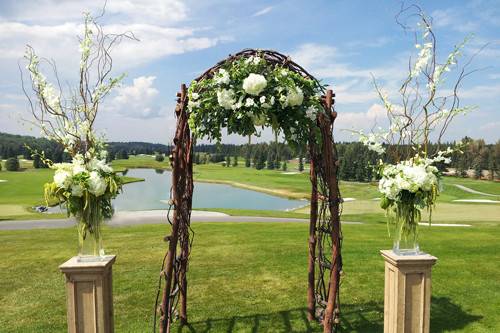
405, 238
90, 246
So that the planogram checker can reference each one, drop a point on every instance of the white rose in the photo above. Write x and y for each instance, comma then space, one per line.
254, 84
225, 98
97, 185
195, 96
262, 99
249, 102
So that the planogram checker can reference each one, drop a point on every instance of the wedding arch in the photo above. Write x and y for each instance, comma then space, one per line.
261, 87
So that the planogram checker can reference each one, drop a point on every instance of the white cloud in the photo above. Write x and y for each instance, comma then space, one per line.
352, 85
138, 100
163, 12
453, 19
59, 42
263, 11
377, 42
325, 61
493, 126
375, 116
479, 92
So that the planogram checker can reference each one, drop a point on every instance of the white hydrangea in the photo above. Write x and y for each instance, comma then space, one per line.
100, 165
413, 175
97, 184
62, 178
295, 97
225, 98
76, 190
254, 84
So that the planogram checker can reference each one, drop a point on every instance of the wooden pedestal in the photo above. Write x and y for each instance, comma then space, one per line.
407, 297
89, 290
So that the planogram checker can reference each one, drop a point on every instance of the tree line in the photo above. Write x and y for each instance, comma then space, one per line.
478, 158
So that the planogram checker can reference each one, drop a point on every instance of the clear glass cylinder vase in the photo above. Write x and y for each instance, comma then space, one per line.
90, 247
405, 237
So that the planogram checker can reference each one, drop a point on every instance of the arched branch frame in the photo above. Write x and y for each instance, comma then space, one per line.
325, 236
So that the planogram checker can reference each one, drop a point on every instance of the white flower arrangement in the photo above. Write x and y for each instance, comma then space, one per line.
88, 184
424, 112
249, 89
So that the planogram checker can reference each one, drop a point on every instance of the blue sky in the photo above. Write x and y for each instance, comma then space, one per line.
341, 42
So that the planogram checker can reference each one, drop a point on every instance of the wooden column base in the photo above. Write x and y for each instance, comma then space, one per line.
407, 297
89, 290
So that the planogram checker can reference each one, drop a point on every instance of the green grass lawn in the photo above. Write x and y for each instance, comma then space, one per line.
250, 277
141, 161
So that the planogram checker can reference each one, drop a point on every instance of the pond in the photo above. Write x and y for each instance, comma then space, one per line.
149, 194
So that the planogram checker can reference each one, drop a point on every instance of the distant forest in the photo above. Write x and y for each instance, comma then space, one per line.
479, 160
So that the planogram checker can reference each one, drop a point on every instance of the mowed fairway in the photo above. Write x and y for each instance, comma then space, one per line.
250, 277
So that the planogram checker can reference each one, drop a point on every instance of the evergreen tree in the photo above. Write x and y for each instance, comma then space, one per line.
235, 161
261, 160
283, 166
228, 161
12, 164
270, 159
159, 157
301, 163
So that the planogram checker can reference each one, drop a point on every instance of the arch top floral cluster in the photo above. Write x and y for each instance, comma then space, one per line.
250, 92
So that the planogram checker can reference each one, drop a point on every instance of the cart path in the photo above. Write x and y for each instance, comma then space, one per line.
122, 219
145, 217
467, 189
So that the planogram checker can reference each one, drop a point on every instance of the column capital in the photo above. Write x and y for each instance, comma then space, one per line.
423, 259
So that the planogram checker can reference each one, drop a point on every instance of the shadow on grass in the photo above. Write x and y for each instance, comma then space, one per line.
362, 318
448, 316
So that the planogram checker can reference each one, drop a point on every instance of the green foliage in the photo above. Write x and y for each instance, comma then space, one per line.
12, 164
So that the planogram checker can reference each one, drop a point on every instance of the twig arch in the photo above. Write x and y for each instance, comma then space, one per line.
324, 257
